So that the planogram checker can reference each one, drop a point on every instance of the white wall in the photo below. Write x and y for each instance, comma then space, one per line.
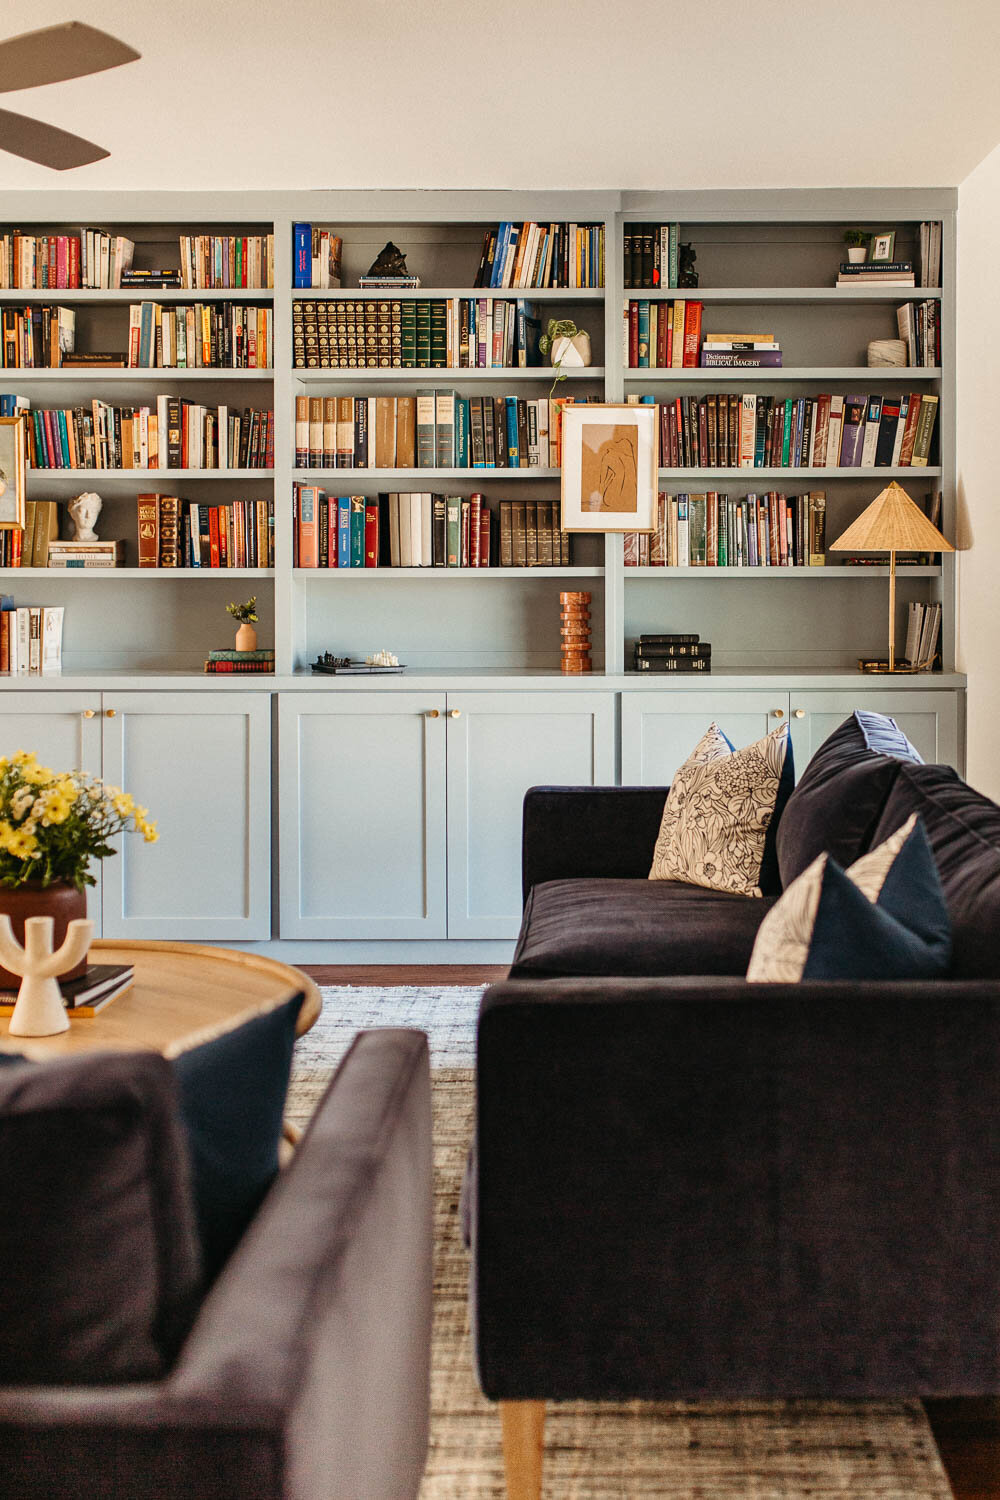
978, 432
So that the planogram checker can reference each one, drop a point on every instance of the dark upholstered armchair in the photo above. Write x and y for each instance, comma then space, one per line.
306, 1373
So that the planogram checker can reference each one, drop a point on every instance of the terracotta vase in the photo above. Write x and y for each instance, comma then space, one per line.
61, 902
246, 638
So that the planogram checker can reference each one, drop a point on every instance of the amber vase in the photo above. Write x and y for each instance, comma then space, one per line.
61, 902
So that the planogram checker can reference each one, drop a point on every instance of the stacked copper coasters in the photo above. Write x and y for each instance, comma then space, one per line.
574, 631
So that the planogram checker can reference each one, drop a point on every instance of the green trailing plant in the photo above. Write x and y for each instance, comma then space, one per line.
559, 328
246, 613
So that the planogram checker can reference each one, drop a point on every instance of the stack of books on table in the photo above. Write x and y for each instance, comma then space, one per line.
229, 662
740, 351
672, 653
877, 273
86, 554
89, 993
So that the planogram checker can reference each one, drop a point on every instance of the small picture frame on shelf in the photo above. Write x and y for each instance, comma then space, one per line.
608, 467
883, 245
12, 482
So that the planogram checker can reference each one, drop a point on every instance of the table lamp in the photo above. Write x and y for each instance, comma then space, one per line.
892, 523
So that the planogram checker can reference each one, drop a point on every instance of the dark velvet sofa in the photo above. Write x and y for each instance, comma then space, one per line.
685, 1185
306, 1371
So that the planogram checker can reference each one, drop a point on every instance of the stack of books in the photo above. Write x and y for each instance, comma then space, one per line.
94, 554
224, 663
88, 993
740, 351
877, 273
672, 653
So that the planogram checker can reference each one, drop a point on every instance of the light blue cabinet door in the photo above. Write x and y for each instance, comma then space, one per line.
201, 763
362, 814
659, 730
930, 720
499, 744
64, 730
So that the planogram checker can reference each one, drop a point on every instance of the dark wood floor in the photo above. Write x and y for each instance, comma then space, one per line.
967, 1432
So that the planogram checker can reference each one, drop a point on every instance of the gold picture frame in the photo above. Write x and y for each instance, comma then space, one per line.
12, 473
609, 467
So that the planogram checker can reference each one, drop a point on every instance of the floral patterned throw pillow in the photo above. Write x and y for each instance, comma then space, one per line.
718, 811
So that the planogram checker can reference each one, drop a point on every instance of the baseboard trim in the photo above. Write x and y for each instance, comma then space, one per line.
305, 951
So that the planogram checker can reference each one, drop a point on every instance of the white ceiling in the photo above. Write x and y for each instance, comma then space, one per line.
525, 93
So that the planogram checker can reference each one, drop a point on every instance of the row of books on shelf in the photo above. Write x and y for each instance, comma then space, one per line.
30, 638
177, 533
919, 325
717, 530
436, 429
227, 335
725, 430
170, 433
665, 335
423, 530
315, 257
438, 333
528, 255
94, 258
923, 628
39, 337
651, 255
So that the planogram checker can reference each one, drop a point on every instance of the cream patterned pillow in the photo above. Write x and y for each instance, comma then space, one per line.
856, 924
717, 814
713, 745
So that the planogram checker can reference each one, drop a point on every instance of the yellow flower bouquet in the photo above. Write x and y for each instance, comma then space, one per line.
53, 823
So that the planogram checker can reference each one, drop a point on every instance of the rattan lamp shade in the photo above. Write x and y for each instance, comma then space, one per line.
892, 523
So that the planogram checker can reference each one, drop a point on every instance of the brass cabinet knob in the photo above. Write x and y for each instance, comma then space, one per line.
455, 713
90, 713
433, 713
800, 713
778, 713
110, 713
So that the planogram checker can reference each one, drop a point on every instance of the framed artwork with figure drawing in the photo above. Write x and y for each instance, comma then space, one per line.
609, 463
11, 473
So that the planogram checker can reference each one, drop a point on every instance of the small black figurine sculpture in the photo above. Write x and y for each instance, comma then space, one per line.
687, 275
389, 262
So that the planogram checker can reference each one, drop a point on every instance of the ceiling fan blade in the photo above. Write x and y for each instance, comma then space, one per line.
49, 146
55, 53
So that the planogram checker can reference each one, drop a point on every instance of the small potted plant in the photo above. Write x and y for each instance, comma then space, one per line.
246, 614
856, 241
565, 344
52, 824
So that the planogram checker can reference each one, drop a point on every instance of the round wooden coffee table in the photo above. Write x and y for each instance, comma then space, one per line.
183, 993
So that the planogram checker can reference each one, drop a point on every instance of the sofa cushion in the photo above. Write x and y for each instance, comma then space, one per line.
882, 918
840, 797
719, 812
232, 1090
97, 1236
634, 927
963, 828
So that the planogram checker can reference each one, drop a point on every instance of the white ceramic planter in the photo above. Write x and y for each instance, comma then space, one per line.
857, 254
571, 351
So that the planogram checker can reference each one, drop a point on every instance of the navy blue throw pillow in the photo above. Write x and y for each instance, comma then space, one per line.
232, 1098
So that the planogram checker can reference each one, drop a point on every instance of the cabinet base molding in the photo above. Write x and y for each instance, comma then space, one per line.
439, 951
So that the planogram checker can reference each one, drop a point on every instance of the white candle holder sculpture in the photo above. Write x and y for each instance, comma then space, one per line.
39, 1010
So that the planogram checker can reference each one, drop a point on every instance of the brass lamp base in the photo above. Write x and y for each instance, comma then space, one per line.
902, 668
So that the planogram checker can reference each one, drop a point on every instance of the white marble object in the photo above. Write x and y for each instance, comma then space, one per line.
39, 1010
85, 510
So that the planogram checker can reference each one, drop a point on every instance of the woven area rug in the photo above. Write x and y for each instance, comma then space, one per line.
678, 1450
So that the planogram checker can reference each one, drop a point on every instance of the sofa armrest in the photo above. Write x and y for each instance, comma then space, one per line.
707, 1188
307, 1370
589, 831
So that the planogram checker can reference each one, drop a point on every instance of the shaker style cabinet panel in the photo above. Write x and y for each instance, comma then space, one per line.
929, 720
202, 765
362, 815
659, 730
500, 744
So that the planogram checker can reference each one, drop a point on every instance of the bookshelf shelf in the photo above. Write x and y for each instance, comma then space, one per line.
146, 574
787, 294
130, 376
115, 295
428, 376
143, 476
329, 476
443, 575
831, 573
742, 374
931, 472
532, 294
